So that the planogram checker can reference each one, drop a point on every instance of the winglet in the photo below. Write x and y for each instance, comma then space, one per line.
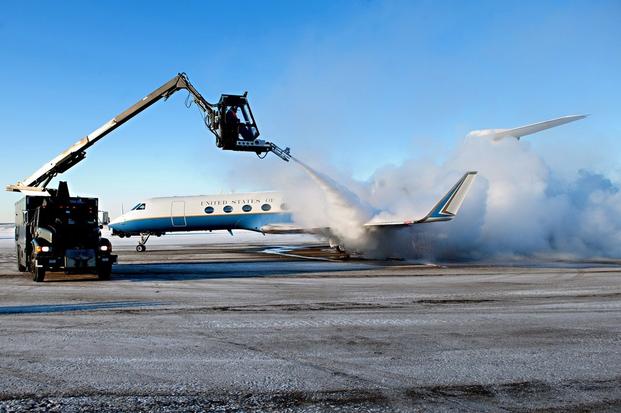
517, 133
449, 205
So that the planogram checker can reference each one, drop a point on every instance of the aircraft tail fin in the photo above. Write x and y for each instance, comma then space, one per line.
449, 205
445, 210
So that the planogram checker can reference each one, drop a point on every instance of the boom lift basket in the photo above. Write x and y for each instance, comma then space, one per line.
232, 128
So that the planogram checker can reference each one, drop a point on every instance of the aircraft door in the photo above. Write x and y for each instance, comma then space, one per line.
177, 213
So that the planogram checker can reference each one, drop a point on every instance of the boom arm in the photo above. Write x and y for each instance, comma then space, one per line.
213, 114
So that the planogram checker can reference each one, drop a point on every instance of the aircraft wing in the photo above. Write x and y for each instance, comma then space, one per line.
445, 210
290, 229
517, 133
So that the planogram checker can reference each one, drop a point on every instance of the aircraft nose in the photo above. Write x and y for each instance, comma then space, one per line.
115, 222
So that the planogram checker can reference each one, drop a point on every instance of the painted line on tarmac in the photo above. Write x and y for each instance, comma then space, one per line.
285, 252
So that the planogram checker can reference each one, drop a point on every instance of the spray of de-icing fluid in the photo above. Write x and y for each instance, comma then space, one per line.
345, 213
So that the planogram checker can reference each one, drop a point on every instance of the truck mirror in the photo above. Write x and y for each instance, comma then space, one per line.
104, 218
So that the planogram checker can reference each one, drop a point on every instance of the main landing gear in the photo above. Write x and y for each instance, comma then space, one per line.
143, 240
335, 244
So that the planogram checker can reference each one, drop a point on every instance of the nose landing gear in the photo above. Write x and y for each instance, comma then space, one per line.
141, 247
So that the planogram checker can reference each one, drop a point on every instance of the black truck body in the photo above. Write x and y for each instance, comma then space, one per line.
60, 233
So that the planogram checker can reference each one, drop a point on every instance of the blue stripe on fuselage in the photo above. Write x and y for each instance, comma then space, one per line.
251, 222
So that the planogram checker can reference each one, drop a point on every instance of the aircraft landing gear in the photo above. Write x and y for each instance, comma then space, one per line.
334, 244
141, 247
340, 250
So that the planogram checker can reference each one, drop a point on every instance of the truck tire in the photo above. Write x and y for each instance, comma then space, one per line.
38, 274
104, 271
20, 267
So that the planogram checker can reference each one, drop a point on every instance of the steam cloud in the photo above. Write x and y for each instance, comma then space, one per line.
517, 207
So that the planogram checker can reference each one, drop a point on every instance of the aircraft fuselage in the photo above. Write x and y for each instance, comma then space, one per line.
248, 211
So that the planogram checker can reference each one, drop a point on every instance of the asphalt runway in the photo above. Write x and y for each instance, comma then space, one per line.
231, 327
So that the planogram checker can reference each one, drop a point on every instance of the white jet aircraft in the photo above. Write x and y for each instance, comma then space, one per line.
264, 212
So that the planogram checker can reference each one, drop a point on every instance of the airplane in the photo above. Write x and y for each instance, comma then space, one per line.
268, 213
263, 212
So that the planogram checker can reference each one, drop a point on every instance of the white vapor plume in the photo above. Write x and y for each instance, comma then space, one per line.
518, 207
527, 209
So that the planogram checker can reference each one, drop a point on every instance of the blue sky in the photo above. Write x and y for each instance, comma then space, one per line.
353, 84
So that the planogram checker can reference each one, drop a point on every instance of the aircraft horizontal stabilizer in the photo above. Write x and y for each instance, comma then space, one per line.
445, 210
517, 133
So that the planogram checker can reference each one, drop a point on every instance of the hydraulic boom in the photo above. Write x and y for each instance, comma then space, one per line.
232, 133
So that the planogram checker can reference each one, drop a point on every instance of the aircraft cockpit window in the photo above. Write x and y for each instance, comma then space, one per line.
266, 207
228, 209
246, 208
139, 207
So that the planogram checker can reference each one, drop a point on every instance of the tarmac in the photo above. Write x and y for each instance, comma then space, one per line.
245, 327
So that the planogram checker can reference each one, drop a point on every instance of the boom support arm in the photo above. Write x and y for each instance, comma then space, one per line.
213, 114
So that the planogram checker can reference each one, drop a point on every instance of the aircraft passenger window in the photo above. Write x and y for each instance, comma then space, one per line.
284, 206
209, 210
266, 207
246, 208
228, 209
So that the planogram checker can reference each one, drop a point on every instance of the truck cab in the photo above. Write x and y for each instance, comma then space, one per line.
60, 233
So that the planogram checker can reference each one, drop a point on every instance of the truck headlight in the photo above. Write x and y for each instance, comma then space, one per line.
103, 248
45, 249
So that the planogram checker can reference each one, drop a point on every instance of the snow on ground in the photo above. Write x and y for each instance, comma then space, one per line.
7, 234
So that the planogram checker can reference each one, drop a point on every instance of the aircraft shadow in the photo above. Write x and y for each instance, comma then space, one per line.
166, 271
61, 308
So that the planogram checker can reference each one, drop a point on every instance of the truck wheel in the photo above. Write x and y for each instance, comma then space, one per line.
20, 267
38, 274
104, 271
